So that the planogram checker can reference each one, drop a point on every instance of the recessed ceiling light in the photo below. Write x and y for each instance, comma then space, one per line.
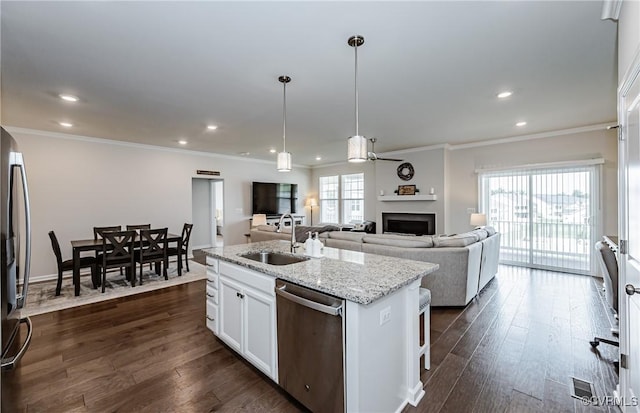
520, 124
65, 124
212, 127
504, 94
272, 150
68, 98
318, 158
182, 142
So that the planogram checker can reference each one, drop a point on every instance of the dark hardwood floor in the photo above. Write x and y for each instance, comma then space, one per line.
512, 349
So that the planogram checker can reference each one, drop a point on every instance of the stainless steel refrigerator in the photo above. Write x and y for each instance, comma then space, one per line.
15, 221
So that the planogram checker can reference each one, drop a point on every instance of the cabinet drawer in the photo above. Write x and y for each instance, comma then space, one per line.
212, 317
254, 279
212, 264
212, 280
212, 294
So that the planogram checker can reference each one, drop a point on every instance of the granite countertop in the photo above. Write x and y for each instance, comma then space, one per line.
352, 275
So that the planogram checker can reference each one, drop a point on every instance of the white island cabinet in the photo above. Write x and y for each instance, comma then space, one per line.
246, 315
380, 317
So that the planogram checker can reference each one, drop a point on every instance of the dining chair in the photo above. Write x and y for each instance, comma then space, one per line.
186, 235
137, 228
97, 234
117, 252
153, 249
67, 265
97, 231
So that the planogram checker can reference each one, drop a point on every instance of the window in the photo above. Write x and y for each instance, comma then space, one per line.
548, 216
329, 210
342, 198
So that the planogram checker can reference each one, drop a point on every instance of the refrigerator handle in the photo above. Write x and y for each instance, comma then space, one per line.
22, 297
10, 363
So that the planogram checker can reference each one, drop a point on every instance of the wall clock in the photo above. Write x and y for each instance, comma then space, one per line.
405, 171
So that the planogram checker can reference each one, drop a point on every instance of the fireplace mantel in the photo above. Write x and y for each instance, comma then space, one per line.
389, 198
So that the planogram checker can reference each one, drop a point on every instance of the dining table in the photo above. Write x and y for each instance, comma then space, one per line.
83, 245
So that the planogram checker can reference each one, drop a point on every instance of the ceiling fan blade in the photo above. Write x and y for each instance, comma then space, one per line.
389, 159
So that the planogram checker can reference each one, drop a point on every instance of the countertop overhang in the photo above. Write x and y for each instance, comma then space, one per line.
352, 275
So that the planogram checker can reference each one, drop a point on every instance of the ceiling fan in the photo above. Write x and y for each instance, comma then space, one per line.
372, 156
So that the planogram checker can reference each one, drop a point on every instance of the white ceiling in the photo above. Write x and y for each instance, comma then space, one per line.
155, 72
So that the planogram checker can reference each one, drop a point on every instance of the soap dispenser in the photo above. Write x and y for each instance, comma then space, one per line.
317, 246
308, 245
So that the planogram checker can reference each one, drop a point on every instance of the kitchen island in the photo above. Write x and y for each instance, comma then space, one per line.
378, 328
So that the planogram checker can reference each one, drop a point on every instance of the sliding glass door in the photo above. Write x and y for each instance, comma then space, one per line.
548, 217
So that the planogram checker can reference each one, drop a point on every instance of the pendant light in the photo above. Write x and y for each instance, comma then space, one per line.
283, 162
356, 144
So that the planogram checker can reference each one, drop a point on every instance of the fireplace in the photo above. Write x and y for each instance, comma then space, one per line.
408, 223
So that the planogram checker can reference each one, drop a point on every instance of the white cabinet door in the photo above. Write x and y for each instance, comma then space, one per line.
231, 313
259, 332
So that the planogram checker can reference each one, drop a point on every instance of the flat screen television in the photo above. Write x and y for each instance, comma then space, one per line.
274, 198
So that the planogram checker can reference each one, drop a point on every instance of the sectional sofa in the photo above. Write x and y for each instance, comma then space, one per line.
468, 261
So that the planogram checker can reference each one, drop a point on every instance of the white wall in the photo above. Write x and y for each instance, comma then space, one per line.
463, 181
77, 184
628, 36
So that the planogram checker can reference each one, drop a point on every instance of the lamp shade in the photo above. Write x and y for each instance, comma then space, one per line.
258, 219
478, 220
283, 164
357, 149
312, 202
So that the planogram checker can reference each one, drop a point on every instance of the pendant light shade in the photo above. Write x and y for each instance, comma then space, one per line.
356, 144
283, 162
357, 149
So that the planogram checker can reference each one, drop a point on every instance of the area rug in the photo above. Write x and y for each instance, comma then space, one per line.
42, 297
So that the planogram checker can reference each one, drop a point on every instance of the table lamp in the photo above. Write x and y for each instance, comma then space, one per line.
258, 219
478, 220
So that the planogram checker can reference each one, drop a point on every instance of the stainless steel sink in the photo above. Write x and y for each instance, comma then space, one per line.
274, 258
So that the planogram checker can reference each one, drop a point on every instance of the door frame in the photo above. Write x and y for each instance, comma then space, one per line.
213, 204
632, 75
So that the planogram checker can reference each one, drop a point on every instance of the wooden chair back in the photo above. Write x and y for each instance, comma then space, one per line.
97, 231
153, 244
118, 248
138, 227
186, 235
56, 248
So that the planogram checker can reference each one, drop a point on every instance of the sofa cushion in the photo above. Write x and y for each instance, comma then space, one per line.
480, 233
459, 240
490, 230
347, 235
424, 241
267, 228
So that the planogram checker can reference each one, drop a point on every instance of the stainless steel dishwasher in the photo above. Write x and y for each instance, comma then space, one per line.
311, 347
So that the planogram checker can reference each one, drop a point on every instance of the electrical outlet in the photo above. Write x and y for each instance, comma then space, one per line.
471, 210
385, 315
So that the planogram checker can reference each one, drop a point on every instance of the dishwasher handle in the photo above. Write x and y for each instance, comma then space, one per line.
327, 309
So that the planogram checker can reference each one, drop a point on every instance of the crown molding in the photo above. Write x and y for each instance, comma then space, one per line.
611, 10
562, 132
91, 139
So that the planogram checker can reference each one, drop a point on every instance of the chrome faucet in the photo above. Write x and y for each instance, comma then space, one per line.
294, 244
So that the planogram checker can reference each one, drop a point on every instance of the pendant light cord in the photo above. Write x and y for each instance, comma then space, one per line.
284, 119
356, 83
